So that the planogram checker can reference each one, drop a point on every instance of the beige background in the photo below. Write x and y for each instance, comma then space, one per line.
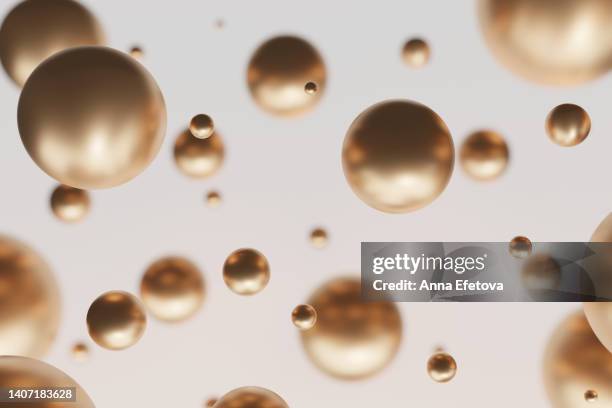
283, 177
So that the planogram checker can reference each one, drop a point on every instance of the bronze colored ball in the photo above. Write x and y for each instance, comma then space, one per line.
70, 204
416, 53
202, 126
29, 301
251, 397
137, 52
398, 156
277, 72
210, 402
442, 367
213, 199
246, 271
352, 339
591, 396
198, 158
568, 125
304, 317
484, 155
541, 272
520, 247
80, 352
311, 88
116, 320
172, 289
318, 238
35, 30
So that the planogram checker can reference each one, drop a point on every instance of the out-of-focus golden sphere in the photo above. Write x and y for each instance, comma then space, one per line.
35, 30
213, 199
251, 397
541, 272
568, 125
29, 301
442, 367
80, 352
172, 289
603, 232
398, 156
304, 317
137, 52
210, 402
70, 204
576, 361
202, 126
116, 320
277, 72
555, 42
246, 271
318, 238
590, 396
91, 117
198, 158
21, 372
352, 339
416, 53
520, 247
484, 155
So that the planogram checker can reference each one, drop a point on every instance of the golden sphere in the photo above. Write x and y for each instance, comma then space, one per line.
352, 339
136, 52
541, 272
21, 372
116, 320
576, 361
251, 397
70, 204
484, 155
520, 247
311, 88
398, 156
318, 238
210, 402
555, 42
591, 396
29, 301
442, 367
603, 232
568, 125
35, 30
80, 352
198, 158
246, 271
202, 126
91, 117
172, 289
277, 72
213, 199
304, 317
416, 53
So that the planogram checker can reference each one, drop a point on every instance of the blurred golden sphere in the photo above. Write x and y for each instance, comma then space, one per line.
603, 232
398, 156
304, 317
555, 42
91, 117
416, 53
137, 52
251, 397
210, 402
172, 289
441, 367
277, 72
520, 247
318, 238
21, 372
198, 158
202, 126
213, 199
591, 396
352, 339
568, 125
311, 88
35, 30
116, 320
541, 272
70, 204
80, 352
246, 271
576, 361
484, 155
29, 301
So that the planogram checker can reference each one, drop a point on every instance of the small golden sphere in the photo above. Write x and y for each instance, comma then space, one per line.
442, 367
311, 88
304, 317
484, 155
520, 247
246, 271
416, 53
202, 126
318, 238
198, 158
137, 52
210, 402
590, 396
80, 352
70, 204
568, 125
213, 199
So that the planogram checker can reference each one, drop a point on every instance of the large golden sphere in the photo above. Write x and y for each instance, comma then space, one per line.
398, 156
198, 158
172, 289
36, 29
556, 42
21, 372
91, 117
568, 125
484, 155
29, 301
70, 204
279, 71
251, 397
246, 271
352, 339
574, 362
116, 320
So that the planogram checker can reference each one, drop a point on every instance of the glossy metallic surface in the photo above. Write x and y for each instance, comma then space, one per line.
568, 125
246, 271
484, 155
70, 204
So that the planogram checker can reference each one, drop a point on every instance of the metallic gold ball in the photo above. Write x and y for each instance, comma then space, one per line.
541, 272
484, 155
80, 352
35, 30
520, 247
311, 88
304, 317
137, 52
202, 126
251, 397
442, 367
172, 289
198, 158
590, 396
91, 117
29, 301
277, 72
213, 199
522, 33
246, 271
22, 372
210, 402
116, 320
416, 53
318, 238
398, 156
568, 125
576, 361
70, 204
352, 339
